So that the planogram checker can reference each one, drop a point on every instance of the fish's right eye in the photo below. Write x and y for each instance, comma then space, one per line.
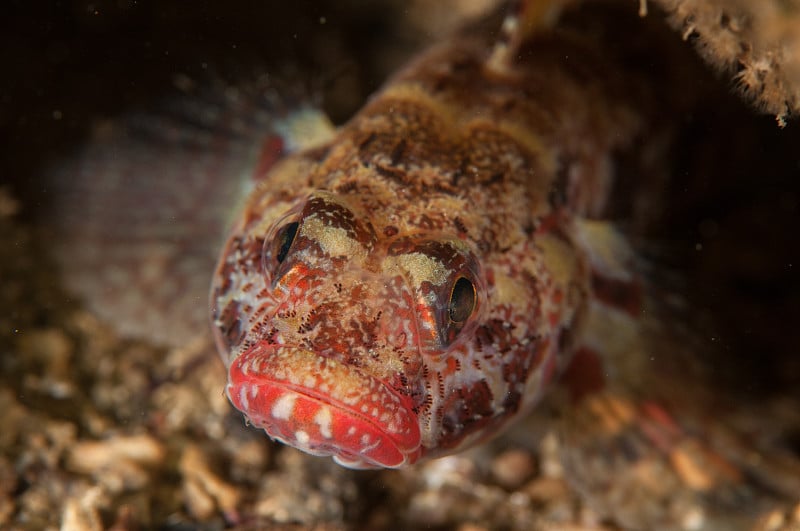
277, 246
283, 240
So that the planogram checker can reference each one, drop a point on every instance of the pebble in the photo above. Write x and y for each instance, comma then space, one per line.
512, 468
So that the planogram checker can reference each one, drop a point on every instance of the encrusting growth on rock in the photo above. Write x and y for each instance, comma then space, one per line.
758, 40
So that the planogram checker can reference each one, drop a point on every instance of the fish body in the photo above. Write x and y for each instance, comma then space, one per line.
407, 288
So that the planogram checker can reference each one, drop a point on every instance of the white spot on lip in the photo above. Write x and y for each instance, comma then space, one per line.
283, 408
243, 400
301, 437
323, 419
366, 446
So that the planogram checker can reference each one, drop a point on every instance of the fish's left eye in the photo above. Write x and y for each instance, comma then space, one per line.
462, 300
283, 241
277, 247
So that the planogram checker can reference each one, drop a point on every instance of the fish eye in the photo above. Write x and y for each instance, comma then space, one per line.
462, 300
283, 241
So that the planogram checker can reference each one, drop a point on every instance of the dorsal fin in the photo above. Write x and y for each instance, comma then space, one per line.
524, 19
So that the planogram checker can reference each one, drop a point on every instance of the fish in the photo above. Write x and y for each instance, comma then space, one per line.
414, 282
419, 280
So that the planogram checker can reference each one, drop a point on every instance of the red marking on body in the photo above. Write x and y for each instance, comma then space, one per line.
659, 426
624, 295
549, 223
550, 363
489, 273
452, 366
558, 296
472, 411
271, 152
584, 375
300, 277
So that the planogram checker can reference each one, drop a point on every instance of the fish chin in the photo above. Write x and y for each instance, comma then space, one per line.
324, 407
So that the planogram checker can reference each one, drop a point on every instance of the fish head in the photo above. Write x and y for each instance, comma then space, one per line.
336, 335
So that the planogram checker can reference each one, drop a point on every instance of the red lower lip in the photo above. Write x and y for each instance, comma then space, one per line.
324, 407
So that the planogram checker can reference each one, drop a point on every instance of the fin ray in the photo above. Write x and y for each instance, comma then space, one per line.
139, 214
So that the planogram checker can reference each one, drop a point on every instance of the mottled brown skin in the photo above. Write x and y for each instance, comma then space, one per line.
477, 167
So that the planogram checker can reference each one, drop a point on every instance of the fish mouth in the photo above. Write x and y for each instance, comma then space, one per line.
324, 407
